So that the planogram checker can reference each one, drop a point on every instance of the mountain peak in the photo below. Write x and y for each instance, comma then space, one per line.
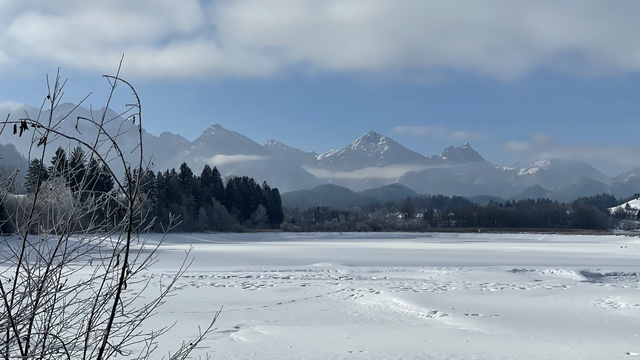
461, 154
213, 129
369, 150
370, 137
216, 140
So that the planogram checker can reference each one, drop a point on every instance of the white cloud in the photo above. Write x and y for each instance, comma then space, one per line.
221, 160
607, 157
259, 38
385, 172
438, 132
11, 106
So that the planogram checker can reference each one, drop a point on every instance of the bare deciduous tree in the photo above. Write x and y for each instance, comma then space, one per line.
71, 271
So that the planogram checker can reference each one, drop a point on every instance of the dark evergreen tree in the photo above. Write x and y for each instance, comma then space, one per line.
77, 169
172, 189
408, 208
273, 204
191, 196
211, 185
36, 175
186, 178
231, 195
218, 185
6, 225
93, 175
161, 210
105, 182
149, 187
59, 164
242, 197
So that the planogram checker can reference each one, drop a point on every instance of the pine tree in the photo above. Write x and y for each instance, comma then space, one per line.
218, 185
231, 195
211, 185
36, 175
172, 187
78, 169
274, 208
186, 178
59, 164
99, 181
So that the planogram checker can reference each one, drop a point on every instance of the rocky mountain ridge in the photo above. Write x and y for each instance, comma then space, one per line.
371, 161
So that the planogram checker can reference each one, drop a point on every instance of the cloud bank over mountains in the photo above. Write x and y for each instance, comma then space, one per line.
501, 39
607, 157
370, 161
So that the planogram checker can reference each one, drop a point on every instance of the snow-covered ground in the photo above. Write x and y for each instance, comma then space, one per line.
406, 296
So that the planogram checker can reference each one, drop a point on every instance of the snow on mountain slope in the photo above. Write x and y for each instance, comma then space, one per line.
550, 173
370, 161
287, 153
216, 140
219, 147
369, 150
461, 154
626, 184
632, 205
235, 154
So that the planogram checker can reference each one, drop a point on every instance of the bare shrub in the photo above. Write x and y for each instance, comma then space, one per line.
71, 283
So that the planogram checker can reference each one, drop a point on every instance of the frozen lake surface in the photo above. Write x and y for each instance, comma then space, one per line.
406, 295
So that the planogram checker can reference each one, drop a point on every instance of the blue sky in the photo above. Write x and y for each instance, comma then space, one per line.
519, 80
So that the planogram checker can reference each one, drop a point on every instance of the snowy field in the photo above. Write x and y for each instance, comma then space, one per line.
407, 296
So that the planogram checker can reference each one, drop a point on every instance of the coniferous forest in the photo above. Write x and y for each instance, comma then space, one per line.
192, 203
206, 202
438, 212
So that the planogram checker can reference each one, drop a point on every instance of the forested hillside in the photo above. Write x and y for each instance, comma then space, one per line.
199, 202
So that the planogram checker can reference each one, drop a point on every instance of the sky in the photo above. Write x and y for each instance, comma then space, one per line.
519, 80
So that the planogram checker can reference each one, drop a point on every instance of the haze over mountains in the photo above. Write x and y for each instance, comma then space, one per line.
368, 163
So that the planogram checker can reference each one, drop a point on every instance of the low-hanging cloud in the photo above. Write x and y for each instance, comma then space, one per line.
385, 172
222, 160
10, 106
606, 157
257, 38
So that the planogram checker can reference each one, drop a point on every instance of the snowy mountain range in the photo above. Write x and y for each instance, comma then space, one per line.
369, 162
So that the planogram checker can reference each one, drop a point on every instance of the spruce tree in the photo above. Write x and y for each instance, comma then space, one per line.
59, 164
78, 170
36, 175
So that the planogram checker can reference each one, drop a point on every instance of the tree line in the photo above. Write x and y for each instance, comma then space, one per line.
424, 213
206, 202
199, 202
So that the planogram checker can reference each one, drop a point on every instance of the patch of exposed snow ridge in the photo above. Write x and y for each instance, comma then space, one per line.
528, 171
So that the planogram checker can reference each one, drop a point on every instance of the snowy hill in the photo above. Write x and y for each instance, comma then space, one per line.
631, 207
